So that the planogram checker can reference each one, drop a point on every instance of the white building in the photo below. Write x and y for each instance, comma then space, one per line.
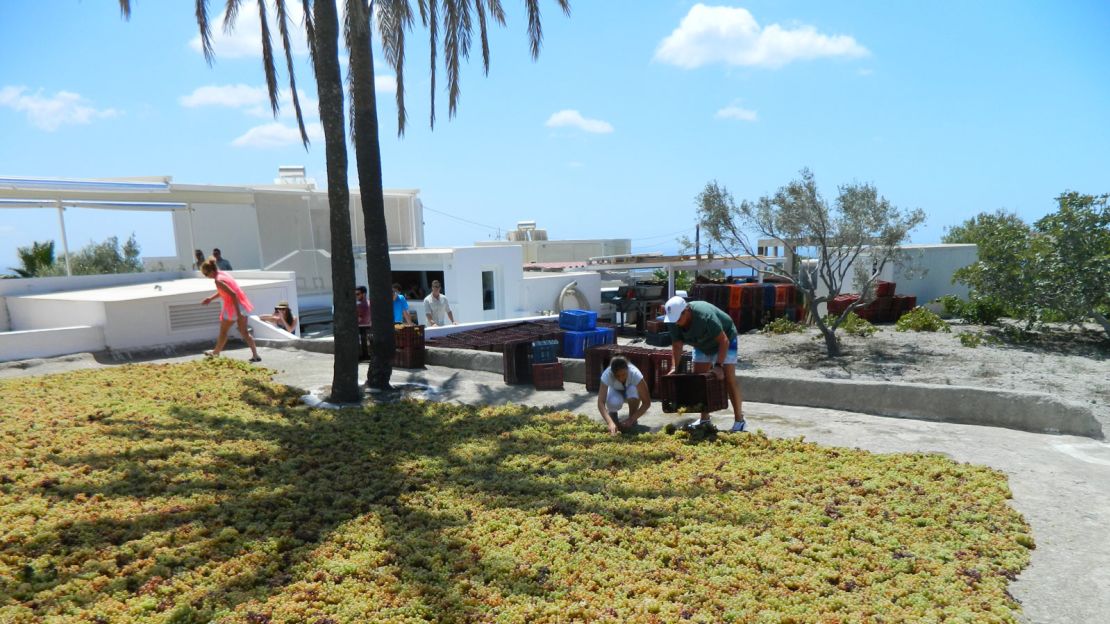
926, 273
51, 316
277, 238
537, 249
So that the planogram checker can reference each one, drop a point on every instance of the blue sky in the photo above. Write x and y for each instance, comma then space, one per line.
953, 107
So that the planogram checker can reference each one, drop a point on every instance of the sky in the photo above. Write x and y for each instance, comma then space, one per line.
632, 107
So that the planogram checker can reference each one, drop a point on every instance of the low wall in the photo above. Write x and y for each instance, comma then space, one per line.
1024, 411
41, 343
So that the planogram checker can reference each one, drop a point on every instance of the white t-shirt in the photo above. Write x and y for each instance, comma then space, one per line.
438, 308
634, 378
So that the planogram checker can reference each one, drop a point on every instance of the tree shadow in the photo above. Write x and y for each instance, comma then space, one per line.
281, 480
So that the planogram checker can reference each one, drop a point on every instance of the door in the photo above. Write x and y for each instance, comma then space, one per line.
491, 293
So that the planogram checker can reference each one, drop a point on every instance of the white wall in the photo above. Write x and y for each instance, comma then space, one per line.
41, 343
43, 285
541, 292
231, 227
466, 281
567, 250
927, 274
5, 321
30, 314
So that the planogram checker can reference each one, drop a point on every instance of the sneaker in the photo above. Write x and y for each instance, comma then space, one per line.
739, 426
700, 424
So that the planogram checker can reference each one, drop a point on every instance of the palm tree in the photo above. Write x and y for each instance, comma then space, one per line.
35, 260
321, 25
395, 19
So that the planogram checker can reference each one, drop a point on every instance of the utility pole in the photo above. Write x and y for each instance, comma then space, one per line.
697, 250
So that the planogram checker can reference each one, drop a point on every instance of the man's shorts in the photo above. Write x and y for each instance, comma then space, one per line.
616, 399
730, 357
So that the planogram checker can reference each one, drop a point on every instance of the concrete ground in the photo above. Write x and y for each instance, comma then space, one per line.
1061, 484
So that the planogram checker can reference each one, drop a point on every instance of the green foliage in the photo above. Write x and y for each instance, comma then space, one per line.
781, 326
104, 258
971, 339
205, 492
855, 325
36, 260
978, 310
921, 319
981, 227
682, 279
1058, 270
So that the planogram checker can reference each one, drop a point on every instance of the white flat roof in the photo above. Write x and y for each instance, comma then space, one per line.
148, 290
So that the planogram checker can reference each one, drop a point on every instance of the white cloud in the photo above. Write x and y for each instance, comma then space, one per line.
731, 35
385, 84
232, 96
52, 112
277, 134
574, 119
737, 113
245, 38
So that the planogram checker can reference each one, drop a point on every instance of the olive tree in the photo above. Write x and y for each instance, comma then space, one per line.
859, 234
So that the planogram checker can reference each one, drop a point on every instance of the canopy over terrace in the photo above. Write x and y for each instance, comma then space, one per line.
690, 262
143, 194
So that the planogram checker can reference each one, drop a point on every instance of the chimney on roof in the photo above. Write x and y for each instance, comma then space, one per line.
293, 175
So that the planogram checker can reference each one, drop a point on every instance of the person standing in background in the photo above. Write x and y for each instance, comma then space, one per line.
437, 308
221, 263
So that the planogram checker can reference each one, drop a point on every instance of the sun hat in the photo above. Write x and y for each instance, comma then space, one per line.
674, 308
282, 304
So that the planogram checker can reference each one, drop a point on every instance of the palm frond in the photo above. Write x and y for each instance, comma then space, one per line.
267, 55
286, 42
483, 33
125, 9
535, 28
433, 42
451, 53
309, 30
231, 13
205, 30
394, 19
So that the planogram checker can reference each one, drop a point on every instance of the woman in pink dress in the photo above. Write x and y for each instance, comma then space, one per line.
235, 305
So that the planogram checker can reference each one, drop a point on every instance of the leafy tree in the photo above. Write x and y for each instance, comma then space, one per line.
1074, 258
859, 224
1057, 270
36, 260
972, 230
103, 258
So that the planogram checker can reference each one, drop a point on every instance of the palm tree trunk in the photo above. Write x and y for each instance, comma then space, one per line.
329, 84
368, 161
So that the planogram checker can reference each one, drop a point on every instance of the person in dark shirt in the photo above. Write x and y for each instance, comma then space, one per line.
713, 335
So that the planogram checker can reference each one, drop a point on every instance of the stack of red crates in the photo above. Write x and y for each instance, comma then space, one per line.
695, 392
751, 305
887, 307
408, 347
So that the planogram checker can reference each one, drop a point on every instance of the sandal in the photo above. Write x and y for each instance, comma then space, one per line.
255, 359
211, 354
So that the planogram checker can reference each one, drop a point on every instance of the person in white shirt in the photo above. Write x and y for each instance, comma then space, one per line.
622, 383
436, 307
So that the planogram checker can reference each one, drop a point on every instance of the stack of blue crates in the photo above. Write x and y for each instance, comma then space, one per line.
581, 332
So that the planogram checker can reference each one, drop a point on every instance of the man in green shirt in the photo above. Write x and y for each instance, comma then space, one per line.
713, 335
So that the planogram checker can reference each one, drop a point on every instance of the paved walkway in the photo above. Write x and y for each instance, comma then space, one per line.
1060, 483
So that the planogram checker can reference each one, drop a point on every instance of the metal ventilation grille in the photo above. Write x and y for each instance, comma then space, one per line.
193, 316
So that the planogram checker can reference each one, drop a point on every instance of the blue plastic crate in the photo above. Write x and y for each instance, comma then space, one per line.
545, 351
578, 320
575, 343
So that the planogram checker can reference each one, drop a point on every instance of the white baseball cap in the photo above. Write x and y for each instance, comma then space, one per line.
674, 308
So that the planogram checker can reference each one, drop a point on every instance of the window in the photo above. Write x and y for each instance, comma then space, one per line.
488, 297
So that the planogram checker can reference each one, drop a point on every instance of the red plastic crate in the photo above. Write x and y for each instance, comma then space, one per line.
409, 337
784, 295
408, 358
661, 365
884, 289
735, 296
655, 327
516, 362
696, 392
597, 359
548, 376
